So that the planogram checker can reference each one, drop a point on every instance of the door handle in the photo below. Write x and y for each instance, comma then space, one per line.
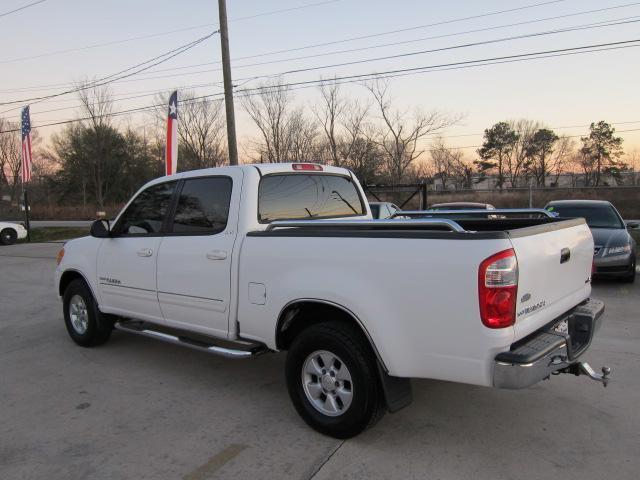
217, 255
144, 252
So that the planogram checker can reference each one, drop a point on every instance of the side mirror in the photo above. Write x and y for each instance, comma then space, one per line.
633, 224
100, 229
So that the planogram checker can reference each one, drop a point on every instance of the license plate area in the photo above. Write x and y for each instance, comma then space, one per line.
577, 330
562, 327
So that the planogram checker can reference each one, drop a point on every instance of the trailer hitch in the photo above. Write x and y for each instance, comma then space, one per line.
583, 368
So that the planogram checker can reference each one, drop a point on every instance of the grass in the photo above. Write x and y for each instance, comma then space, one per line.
49, 234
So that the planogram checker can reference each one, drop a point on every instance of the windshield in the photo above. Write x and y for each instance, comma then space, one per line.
597, 216
307, 196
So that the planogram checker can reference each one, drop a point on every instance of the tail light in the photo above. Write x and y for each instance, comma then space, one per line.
498, 289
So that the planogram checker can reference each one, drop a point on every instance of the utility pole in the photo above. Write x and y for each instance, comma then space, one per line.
228, 84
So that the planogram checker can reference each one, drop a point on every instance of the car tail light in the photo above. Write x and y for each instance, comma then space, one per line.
498, 289
307, 166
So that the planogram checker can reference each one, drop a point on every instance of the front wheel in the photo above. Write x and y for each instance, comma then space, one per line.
8, 236
332, 380
87, 326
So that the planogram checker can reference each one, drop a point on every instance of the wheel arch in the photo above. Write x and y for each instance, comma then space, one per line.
301, 313
69, 276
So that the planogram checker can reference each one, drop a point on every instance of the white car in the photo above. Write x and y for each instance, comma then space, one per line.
10, 232
243, 260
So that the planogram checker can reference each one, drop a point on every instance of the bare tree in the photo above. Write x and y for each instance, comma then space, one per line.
450, 166
632, 159
201, 131
561, 158
10, 156
101, 167
270, 109
400, 133
329, 114
519, 160
300, 138
442, 159
5, 138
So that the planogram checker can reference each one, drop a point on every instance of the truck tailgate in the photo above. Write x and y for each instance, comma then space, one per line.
554, 270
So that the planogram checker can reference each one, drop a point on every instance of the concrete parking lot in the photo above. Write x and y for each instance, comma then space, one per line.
135, 408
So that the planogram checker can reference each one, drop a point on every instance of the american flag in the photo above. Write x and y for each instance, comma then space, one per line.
27, 159
171, 157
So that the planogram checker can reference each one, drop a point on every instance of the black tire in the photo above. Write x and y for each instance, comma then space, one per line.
346, 342
631, 277
8, 236
98, 325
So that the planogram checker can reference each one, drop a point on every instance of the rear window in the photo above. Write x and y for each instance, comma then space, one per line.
307, 196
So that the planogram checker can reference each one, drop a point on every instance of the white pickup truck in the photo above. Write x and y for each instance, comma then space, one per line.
243, 260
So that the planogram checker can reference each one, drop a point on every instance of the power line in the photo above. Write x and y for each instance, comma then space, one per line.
283, 10
160, 34
390, 74
491, 41
535, 34
121, 74
467, 62
21, 8
401, 30
580, 13
404, 42
236, 67
400, 72
454, 47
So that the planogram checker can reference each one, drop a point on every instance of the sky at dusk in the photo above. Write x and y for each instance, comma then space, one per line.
51, 45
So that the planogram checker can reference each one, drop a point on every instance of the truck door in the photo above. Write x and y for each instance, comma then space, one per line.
195, 257
126, 261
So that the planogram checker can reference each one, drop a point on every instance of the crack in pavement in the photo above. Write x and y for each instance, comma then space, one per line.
326, 460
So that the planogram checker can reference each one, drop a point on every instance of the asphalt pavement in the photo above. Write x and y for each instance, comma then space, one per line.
139, 409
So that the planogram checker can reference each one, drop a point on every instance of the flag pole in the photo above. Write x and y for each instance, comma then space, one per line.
27, 224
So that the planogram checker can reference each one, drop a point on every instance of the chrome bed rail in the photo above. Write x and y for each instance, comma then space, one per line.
498, 211
387, 224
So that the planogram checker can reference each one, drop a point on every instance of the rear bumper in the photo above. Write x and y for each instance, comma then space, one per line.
546, 351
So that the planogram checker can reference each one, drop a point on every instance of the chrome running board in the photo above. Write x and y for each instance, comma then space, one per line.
244, 349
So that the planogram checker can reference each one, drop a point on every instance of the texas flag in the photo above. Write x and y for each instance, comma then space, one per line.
172, 135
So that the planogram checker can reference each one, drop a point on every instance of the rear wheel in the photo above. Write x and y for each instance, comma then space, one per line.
86, 325
8, 236
333, 381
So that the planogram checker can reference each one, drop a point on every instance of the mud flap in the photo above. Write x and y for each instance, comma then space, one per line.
397, 391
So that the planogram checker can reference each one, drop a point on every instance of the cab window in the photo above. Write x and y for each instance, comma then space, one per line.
203, 206
146, 213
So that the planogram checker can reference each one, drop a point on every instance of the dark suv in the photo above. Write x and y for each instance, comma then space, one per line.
614, 248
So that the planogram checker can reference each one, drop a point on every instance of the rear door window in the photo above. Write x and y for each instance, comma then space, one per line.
307, 197
203, 206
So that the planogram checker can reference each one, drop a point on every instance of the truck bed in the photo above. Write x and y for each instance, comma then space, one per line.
414, 284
